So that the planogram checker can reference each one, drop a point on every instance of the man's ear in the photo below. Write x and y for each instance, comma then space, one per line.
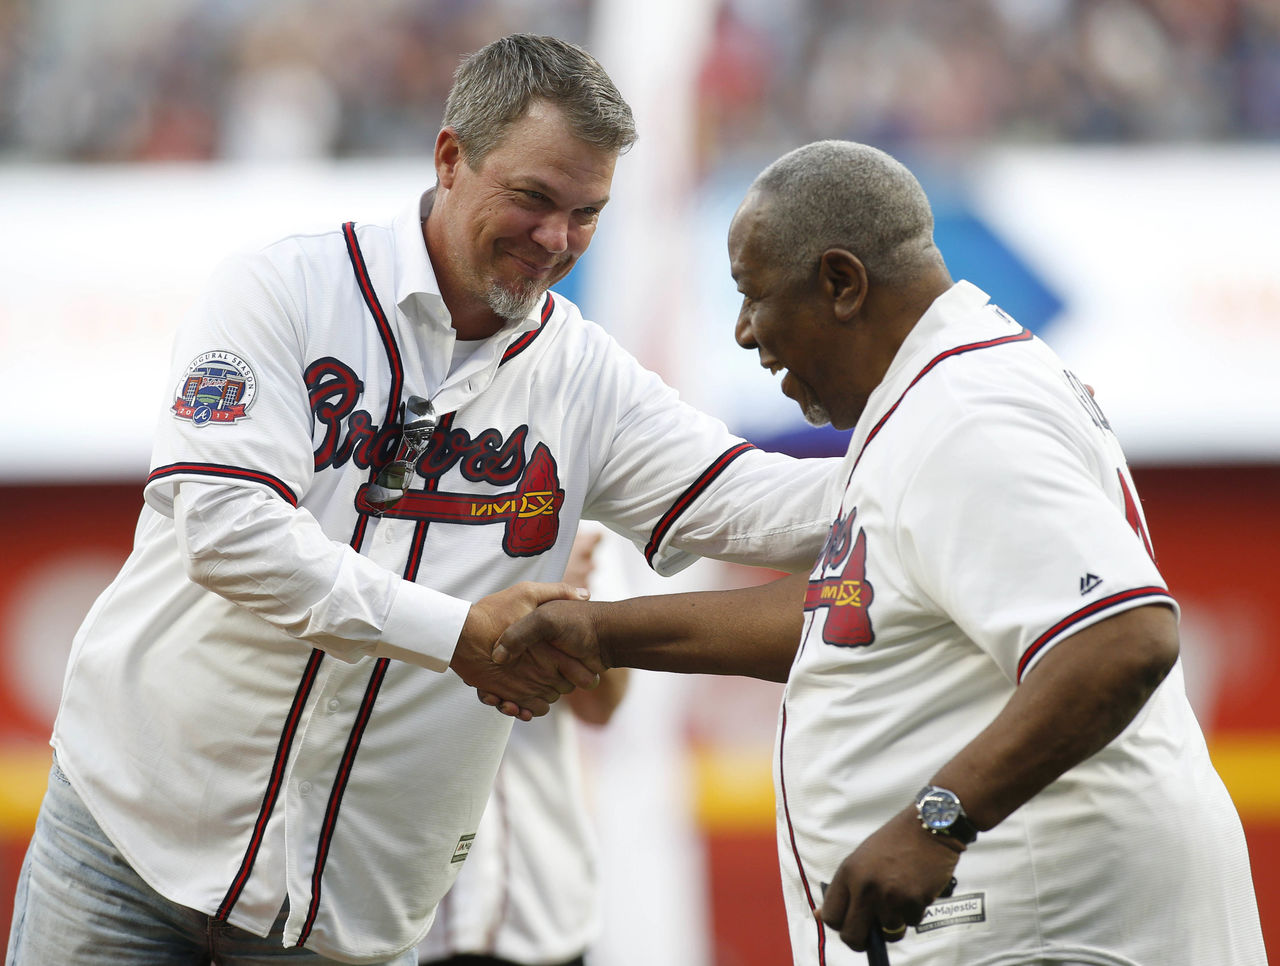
844, 280
447, 157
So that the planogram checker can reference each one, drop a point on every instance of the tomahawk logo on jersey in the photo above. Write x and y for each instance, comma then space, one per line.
840, 584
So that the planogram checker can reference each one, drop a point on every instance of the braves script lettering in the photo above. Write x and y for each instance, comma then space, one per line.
348, 434
529, 511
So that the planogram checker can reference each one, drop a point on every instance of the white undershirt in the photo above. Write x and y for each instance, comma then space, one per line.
463, 349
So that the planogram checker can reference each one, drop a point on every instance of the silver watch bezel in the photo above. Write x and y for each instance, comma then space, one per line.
938, 808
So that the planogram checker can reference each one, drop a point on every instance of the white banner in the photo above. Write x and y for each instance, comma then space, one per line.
1164, 263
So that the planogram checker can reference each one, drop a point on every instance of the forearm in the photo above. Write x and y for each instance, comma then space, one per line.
275, 561
751, 632
1083, 693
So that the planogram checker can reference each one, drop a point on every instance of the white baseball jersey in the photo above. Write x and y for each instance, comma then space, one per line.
259, 708
984, 513
529, 891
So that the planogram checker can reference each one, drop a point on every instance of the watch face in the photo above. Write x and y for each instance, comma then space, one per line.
939, 811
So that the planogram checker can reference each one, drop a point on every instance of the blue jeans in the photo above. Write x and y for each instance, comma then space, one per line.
79, 903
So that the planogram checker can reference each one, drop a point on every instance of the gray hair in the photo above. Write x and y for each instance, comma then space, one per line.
494, 87
840, 194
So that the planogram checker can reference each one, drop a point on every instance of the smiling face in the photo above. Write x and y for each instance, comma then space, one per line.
789, 319
501, 233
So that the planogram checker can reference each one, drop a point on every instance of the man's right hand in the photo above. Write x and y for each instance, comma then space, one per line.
565, 625
560, 630
526, 684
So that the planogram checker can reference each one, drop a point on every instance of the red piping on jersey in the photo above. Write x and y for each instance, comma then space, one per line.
225, 472
1134, 516
1085, 612
343, 777
273, 785
317, 656
525, 340
289, 731
1023, 336
380, 318
361, 270
688, 496
420, 531
339, 788
791, 837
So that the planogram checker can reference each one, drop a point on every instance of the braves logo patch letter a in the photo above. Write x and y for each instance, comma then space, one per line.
840, 584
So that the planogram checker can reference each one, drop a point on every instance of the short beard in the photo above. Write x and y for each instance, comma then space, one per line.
815, 414
514, 304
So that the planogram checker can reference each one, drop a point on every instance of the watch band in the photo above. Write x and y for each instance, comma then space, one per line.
962, 830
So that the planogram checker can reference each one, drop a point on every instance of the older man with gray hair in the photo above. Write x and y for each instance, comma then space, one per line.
985, 750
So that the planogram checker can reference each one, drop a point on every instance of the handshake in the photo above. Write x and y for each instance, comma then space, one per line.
523, 647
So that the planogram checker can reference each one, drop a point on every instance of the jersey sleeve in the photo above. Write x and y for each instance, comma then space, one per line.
236, 442
681, 486
1016, 530
274, 561
237, 410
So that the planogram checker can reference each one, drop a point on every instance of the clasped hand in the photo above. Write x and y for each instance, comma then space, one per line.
523, 647
888, 881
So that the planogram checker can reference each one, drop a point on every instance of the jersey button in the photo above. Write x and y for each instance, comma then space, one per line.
304, 788
334, 704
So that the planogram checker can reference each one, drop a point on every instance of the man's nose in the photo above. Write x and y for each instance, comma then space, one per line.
552, 233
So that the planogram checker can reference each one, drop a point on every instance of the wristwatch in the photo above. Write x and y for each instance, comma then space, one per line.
941, 813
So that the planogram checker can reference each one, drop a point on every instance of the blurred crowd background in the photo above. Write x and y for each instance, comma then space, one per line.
162, 80
1183, 96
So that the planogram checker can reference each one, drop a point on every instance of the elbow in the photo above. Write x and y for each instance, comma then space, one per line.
1159, 653
201, 548
201, 565
1150, 650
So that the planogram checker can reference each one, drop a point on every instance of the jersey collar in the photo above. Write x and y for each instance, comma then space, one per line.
954, 306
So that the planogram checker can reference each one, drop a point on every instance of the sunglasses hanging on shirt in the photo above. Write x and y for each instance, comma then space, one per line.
394, 478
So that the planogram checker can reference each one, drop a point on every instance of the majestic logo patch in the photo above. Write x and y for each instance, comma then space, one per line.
954, 911
839, 583
218, 387
463, 848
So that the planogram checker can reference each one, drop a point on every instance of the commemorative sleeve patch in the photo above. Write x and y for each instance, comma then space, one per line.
218, 387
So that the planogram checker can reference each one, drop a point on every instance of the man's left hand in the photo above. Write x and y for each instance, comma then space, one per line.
888, 881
